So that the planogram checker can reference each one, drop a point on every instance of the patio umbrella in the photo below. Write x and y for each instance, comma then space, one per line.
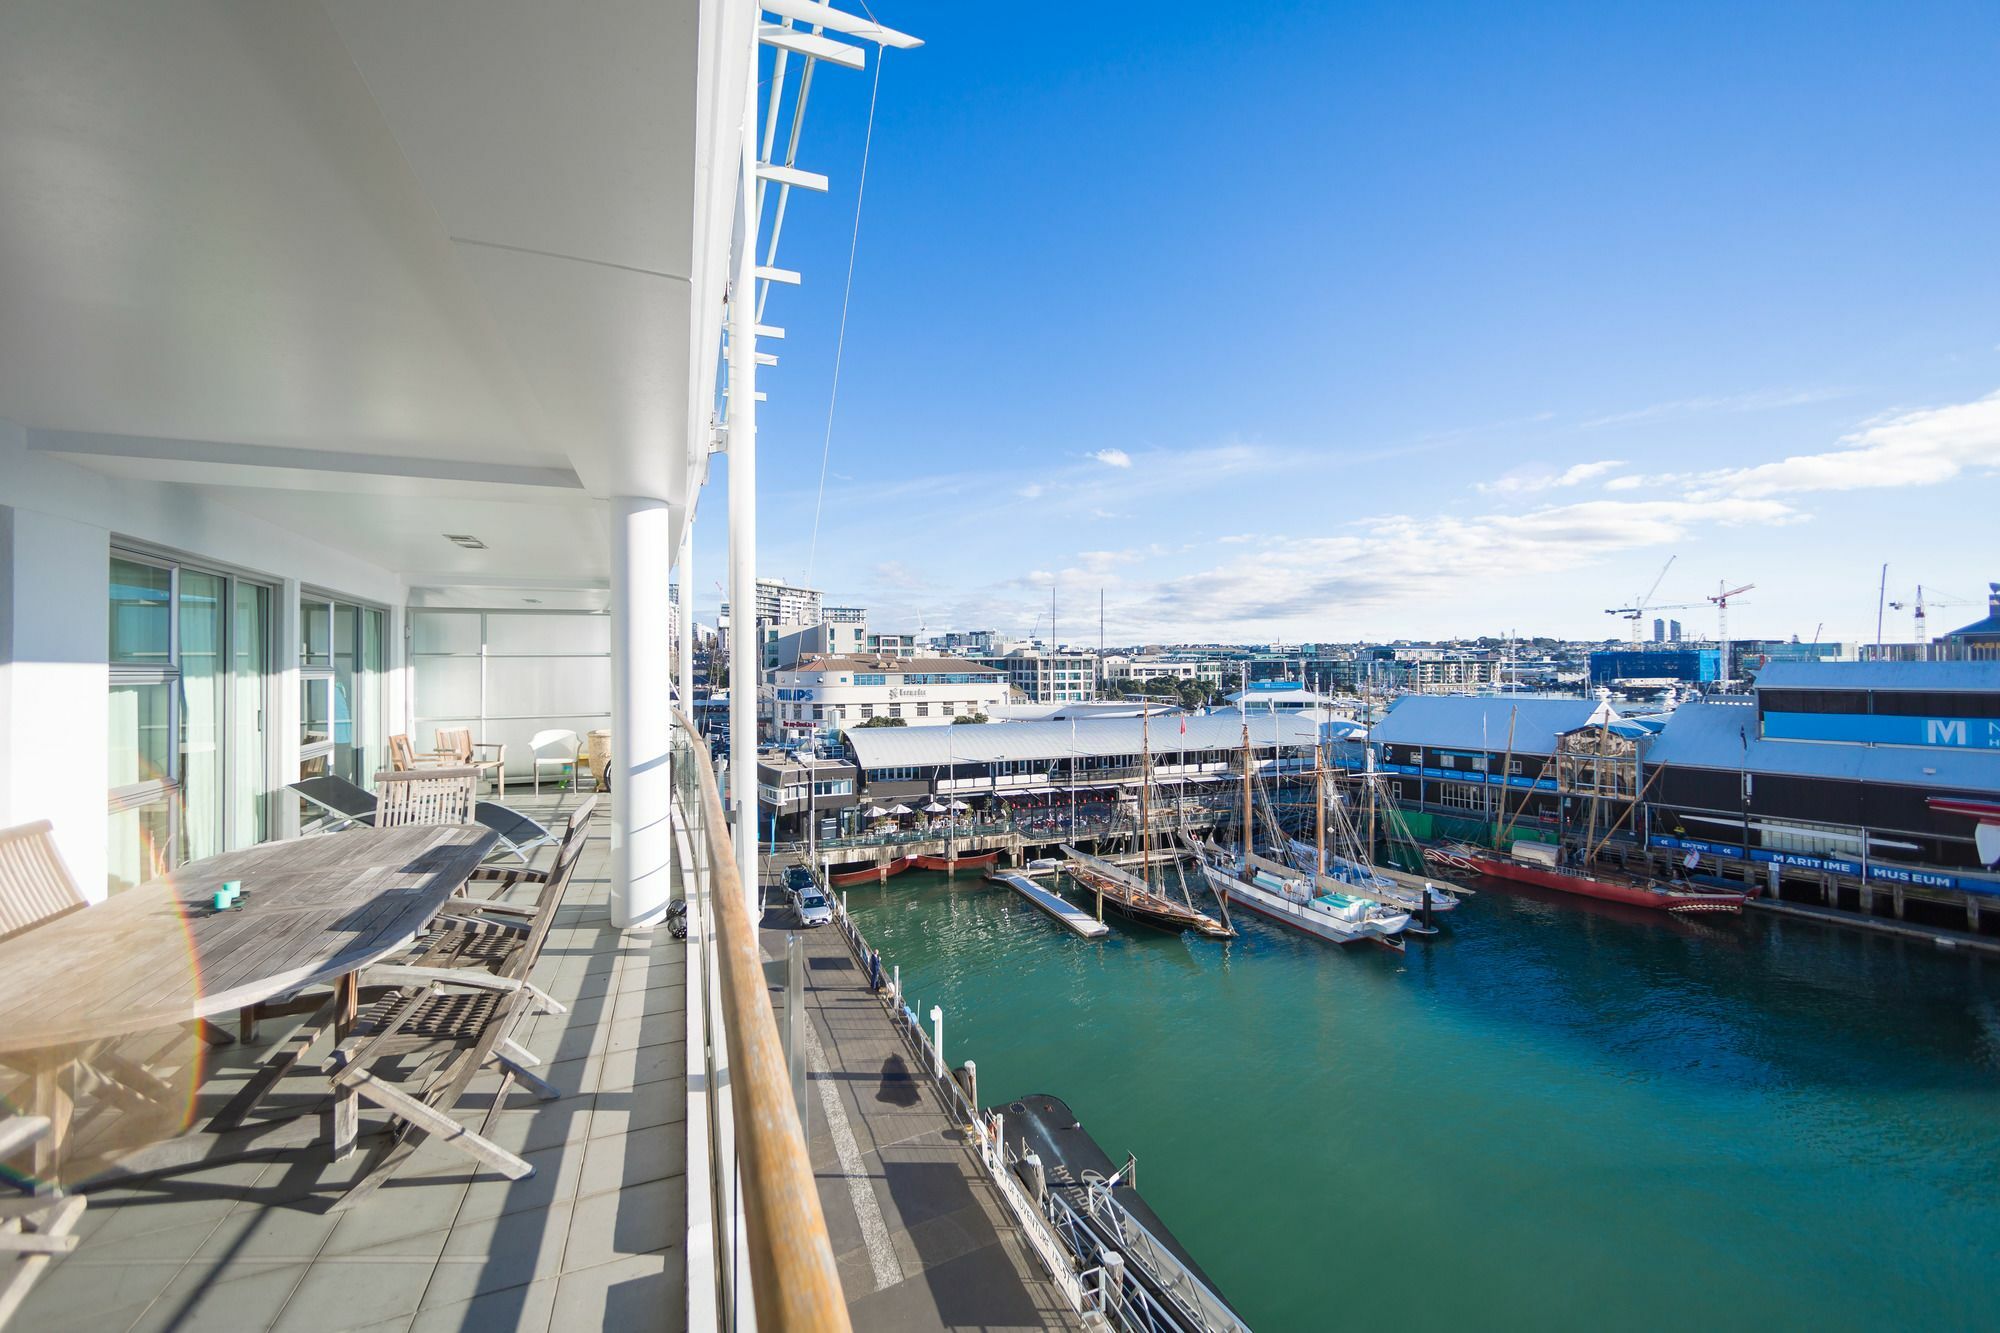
901, 810
958, 805
934, 809
875, 812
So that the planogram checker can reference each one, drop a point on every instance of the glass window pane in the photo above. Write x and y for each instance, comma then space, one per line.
548, 633
346, 658
444, 632
204, 710
445, 687
141, 614
315, 716
250, 651
141, 747
316, 633
141, 845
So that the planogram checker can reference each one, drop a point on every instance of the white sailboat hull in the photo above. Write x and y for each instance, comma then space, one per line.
1386, 889
1302, 916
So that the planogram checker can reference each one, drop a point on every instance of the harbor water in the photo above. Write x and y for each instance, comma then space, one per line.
1555, 1114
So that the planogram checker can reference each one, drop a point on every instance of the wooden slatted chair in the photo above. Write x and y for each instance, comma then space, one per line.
487, 756
487, 932
33, 1229
35, 884
414, 1050
425, 796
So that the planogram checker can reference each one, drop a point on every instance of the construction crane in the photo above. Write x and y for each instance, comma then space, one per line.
1637, 611
1721, 599
1923, 637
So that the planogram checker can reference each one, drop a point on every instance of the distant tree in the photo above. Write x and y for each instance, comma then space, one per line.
885, 722
970, 717
1193, 694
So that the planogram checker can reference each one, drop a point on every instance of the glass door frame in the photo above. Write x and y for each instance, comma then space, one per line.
169, 788
367, 675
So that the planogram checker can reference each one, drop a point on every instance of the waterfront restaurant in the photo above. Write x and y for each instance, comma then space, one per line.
1024, 766
361, 371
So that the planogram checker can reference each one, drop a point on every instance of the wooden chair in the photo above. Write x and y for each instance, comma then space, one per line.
485, 932
403, 756
488, 757
414, 1050
35, 884
425, 796
33, 1228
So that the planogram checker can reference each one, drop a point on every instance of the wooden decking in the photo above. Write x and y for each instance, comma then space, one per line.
592, 1240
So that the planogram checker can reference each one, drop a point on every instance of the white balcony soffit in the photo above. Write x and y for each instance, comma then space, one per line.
371, 266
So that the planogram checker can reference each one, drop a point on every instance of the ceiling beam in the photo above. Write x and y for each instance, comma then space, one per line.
224, 454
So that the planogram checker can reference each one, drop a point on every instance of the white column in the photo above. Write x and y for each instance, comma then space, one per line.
745, 653
642, 545
684, 669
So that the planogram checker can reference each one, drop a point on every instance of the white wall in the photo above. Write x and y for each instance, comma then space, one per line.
55, 552
55, 584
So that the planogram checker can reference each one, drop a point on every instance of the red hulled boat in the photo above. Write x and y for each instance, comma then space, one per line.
1536, 863
862, 874
963, 861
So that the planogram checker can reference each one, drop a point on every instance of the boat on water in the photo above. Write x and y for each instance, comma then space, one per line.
1138, 901
963, 861
1133, 896
1373, 883
1306, 899
1298, 899
862, 874
1540, 864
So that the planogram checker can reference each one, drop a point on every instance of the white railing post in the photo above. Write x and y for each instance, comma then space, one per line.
937, 1041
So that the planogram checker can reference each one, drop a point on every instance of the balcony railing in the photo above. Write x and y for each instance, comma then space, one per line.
760, 1212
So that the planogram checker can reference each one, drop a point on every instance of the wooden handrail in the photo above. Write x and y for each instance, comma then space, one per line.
792, 1270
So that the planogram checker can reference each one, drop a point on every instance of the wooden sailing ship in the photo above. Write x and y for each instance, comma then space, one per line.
1133, 896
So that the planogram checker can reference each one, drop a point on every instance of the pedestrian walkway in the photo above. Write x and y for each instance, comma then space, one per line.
920, 1234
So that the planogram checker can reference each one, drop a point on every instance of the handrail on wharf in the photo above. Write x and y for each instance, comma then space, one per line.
794, 1281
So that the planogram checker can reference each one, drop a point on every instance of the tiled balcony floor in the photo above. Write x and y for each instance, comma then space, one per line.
592, 1240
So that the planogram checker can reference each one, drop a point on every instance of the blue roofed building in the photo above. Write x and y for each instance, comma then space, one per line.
1479, 756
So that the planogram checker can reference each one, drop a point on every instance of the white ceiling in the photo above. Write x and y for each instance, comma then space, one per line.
452, 231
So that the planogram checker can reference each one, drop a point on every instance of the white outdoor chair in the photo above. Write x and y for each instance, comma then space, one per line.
557, 750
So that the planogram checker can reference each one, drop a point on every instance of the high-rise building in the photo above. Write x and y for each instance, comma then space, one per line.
1659, 631
1674, 630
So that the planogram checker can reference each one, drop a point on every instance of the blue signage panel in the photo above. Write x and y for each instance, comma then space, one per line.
1888, 874
1958, 733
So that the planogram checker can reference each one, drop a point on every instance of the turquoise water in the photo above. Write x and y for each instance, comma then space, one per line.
1553, 1115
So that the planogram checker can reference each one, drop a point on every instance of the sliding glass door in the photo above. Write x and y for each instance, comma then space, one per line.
341, 660
189, 659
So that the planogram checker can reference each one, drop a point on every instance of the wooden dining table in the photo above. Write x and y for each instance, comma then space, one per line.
315, 911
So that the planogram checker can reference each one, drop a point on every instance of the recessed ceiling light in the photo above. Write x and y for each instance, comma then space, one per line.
467, 540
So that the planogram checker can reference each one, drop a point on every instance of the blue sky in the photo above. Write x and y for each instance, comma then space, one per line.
1326, 322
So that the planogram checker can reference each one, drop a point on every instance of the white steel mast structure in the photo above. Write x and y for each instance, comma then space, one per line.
802, 30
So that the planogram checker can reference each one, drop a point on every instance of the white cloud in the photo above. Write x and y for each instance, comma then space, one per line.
1308, 584
1919, 448
1113, 457
1032, 491
1528, 483
1762, 400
